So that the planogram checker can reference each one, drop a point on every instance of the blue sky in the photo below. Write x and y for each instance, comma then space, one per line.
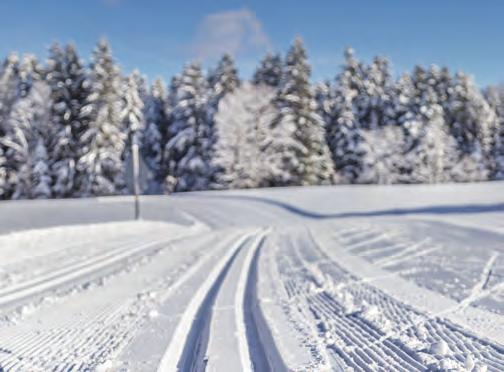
159, 36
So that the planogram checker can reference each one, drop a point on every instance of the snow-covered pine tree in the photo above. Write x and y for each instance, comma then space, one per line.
188, 152
9, 80
67, 79
373, 98
3, 172
404, 101
344, 135
41, 183
154, 136
168, 131
473, 124
100, 169
495, 98
324, 97
383, 159
242, 125
132, 116
434, 156
223, 80
30, 71
23, 112
355, 72
27, 131
298, 153
269, 72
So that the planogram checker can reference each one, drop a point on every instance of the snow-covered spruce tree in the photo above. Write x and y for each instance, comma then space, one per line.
9, 80
188, 152
3, 172
403, 104
26, 135
373, 99
434, 156
297, 152
269, 71
223, 79
495, 98
355, 73
344, 136
67, 79
132, 117
30, 71
41, 183
473, 123
242, 125
100, 169
154, 136
383, 159
324, 98
168, 131
24, 115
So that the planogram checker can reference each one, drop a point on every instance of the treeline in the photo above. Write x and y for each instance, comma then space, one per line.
66, 127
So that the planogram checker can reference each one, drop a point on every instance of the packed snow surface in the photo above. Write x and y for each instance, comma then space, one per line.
363, 278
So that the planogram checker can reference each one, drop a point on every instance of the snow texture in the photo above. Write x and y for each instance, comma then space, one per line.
371, 278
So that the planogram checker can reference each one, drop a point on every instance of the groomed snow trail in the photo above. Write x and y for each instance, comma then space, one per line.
312, 279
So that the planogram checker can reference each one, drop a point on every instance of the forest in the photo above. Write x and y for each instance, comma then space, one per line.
66, 126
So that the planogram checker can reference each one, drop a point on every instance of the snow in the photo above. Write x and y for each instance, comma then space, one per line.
314, 278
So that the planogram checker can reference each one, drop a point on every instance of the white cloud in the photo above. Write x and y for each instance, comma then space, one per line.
237, 32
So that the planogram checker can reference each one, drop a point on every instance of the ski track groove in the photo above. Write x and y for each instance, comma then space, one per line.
194, 323
374, 344
460, 340
324, 303
404, 254
68, 255
88, 345
240, 296
82, 270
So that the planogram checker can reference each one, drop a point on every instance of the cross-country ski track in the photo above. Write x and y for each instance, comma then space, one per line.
396, 278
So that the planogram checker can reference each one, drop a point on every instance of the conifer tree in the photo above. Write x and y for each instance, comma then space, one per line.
434, 156
132, 111
24, 114
242, 125
154, 137
3, 172
100, 167
67, 79
373, 96
495, 98
26, 133
9, 80
473, 124
269, 71
223, 80
41, 185
188, 152
298, 153
383, 160
132, 116
344, 136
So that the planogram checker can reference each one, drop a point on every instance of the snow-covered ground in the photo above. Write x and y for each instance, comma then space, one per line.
396, 278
